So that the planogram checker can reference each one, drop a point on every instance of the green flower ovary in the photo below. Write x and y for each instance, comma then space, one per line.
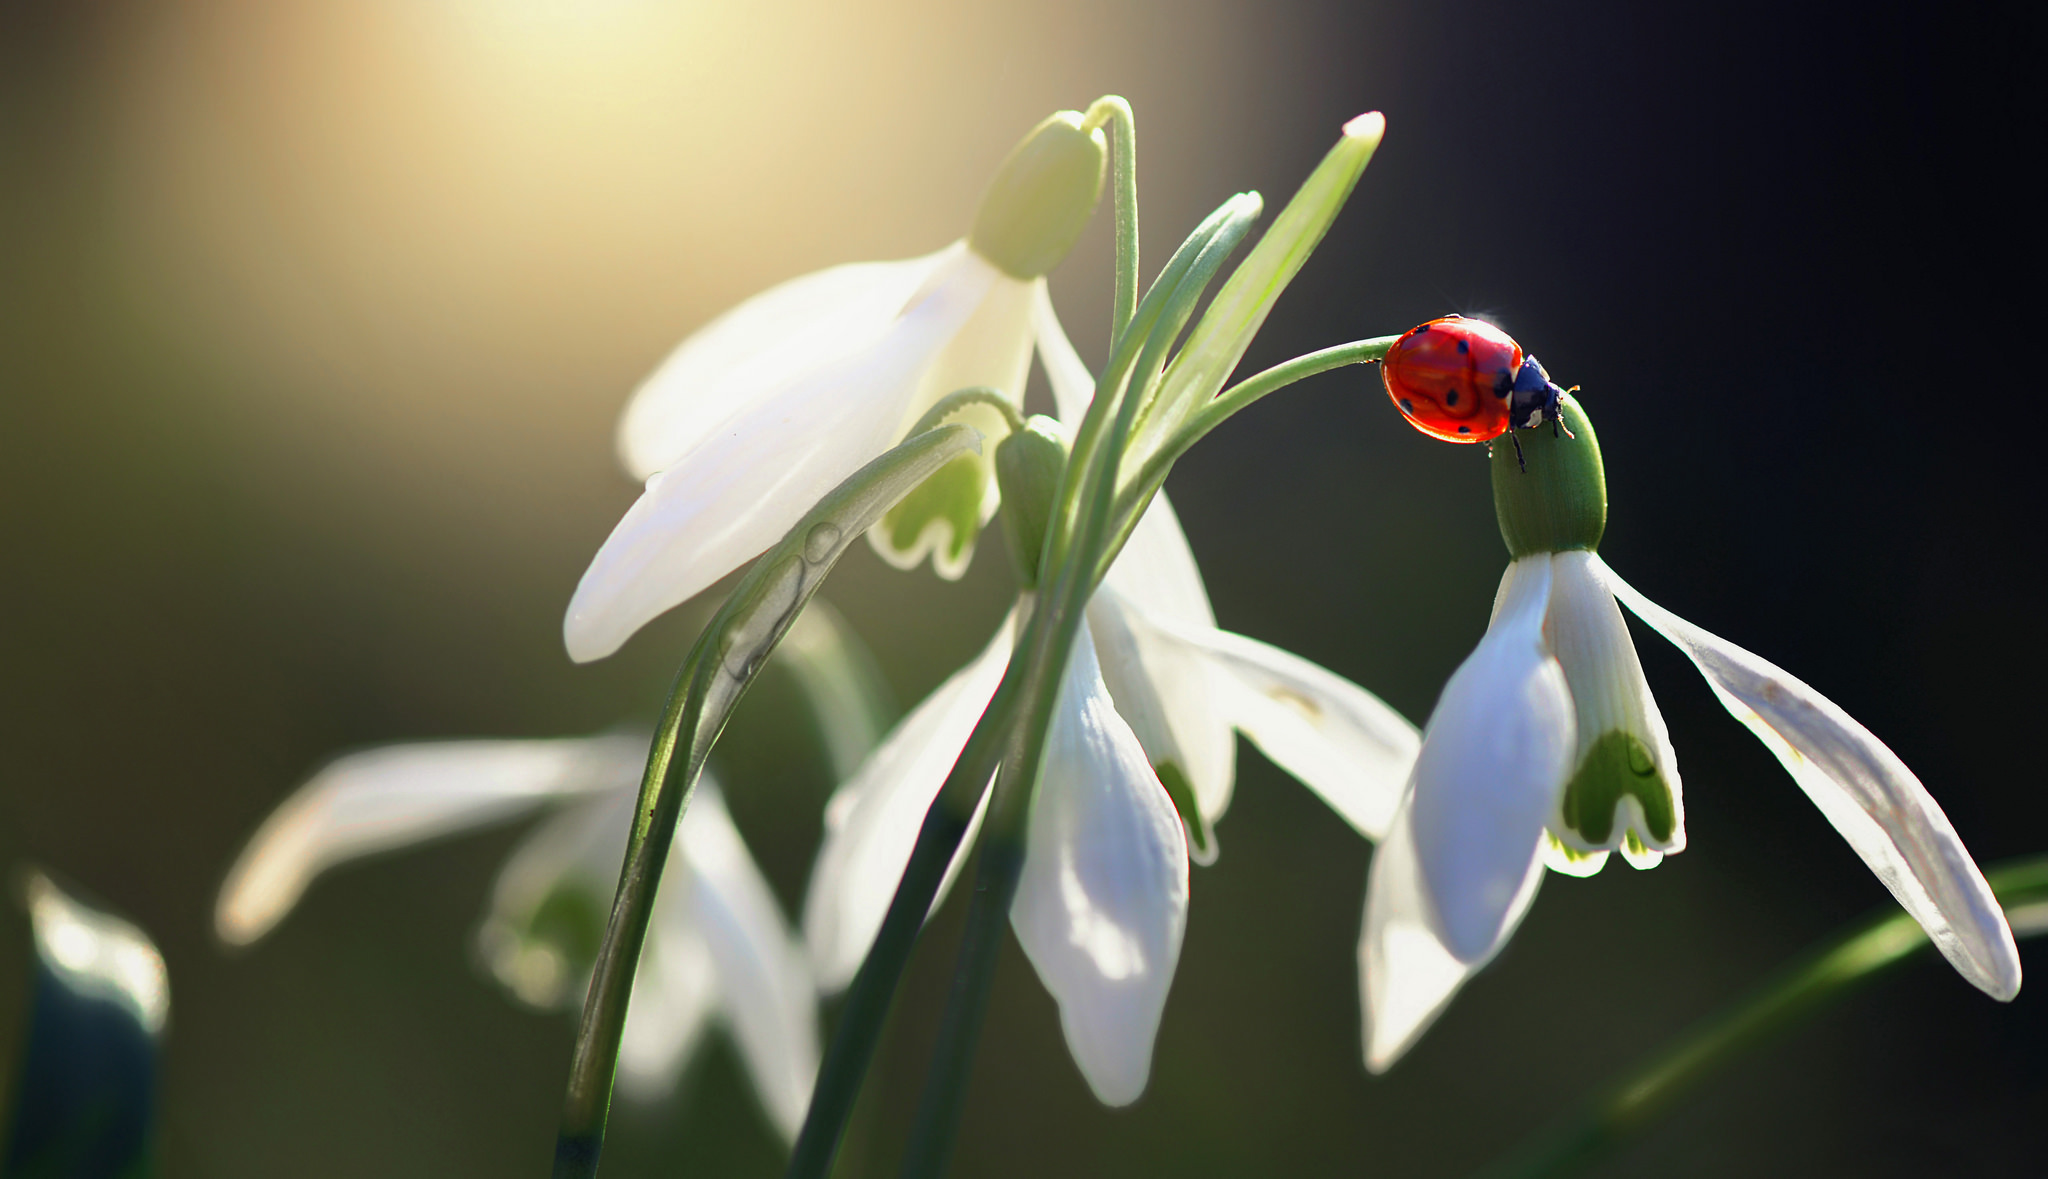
1618, 766
1042, 197
1550, 496
1029, 464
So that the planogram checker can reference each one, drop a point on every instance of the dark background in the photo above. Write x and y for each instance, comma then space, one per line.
314, 322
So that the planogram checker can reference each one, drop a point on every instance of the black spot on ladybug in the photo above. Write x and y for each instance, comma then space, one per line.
1407, 406
1420, 330
1503, 383
1464, 429
1451, 397
1464, 346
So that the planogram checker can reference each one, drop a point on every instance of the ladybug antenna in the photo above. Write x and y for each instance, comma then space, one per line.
1557, 412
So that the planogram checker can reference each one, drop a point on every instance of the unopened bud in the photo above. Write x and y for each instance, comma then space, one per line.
1029, 464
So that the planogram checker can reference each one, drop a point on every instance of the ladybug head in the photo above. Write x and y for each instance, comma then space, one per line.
1535, 396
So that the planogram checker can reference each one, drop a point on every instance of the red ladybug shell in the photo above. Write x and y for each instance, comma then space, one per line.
1451, 378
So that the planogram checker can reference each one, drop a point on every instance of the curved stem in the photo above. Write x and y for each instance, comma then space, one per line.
867, 1001
995, 886
720, 667
960, 399
1642, 1096
1048, 643
1138, 492
1114, 111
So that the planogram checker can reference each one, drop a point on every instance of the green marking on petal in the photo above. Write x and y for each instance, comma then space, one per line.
541, 956
948, 502
1619, 765
570, 921
1182, 792
1560, 856
1569, 852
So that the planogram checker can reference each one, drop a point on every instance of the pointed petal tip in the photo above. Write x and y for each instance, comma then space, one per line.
1370, 126
2001, 979
584, 641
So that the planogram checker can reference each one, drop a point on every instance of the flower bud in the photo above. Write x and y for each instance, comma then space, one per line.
1029, 464
1550, 495
1041, 197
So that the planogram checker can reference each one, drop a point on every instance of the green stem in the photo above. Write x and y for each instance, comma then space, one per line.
1047, 638
1113, 110
867, 1001
1643, 1096
1109, 386
995, 886
1049, 642
1137, 494
960, 399
720, 667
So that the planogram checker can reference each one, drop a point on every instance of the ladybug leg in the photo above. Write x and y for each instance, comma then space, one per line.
1519, 460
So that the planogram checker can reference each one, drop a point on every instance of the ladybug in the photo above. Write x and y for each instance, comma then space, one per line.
1465, 380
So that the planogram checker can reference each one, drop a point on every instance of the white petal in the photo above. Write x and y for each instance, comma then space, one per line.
1157, 570
1073, 386
399, 795
1167, 692
1406, 975
871, 824
750, 480
992, 349
1169, 695
1864, 790
754, 351
1591, 641
1561, 857
1495, 754
1340, 740
1103, 899
764, 981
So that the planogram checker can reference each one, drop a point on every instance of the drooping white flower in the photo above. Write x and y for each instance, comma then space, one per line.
1547, 748
1152, 691
767, 408
717, 945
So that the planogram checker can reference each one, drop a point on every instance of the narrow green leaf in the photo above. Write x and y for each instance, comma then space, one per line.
1817, 979
1240, 308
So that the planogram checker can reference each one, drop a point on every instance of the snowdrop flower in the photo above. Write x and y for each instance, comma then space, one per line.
770, 406
717, 946
1546, 748
1138, 766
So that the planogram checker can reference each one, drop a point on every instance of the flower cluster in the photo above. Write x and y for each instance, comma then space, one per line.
1092, 742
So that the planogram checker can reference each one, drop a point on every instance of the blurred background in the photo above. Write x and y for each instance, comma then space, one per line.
315, 320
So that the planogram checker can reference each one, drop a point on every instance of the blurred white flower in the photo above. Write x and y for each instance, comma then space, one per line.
717, 944
1153, 690
767, 408
1547, 747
